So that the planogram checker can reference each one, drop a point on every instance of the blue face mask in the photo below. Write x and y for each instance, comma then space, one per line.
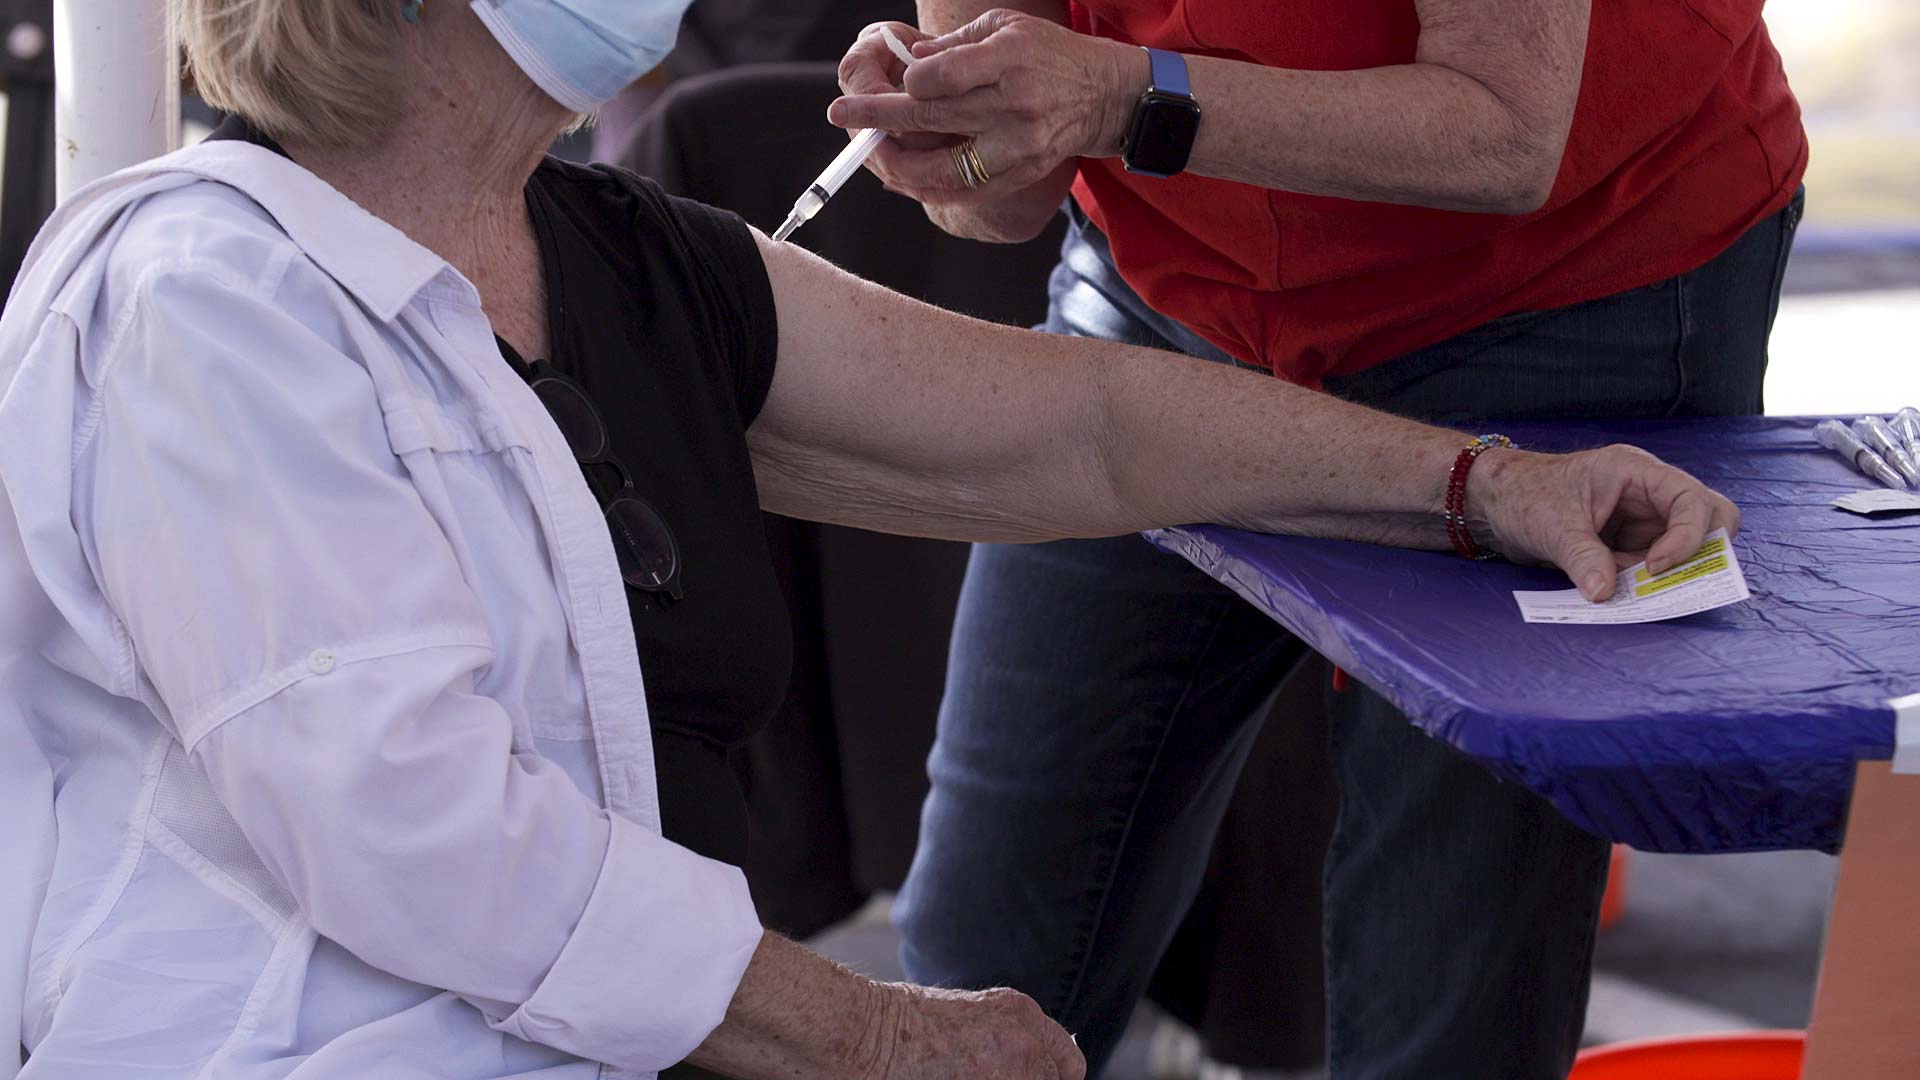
583, 52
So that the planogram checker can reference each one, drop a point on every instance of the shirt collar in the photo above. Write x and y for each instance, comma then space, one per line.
380, 265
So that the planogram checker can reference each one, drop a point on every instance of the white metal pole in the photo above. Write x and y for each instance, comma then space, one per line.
116, 88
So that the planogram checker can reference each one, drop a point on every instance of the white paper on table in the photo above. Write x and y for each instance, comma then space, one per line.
1879, 501
1710, 579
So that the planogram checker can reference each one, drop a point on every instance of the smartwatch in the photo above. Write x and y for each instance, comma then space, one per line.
1166, 119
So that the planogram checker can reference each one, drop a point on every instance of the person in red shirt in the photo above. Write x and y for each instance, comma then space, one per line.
1452, 209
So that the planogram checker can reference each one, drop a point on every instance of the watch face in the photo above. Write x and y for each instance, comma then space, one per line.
1164, 127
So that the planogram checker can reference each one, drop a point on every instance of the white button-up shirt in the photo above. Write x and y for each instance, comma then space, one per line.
323, 745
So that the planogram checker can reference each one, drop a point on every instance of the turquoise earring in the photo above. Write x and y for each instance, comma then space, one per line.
410, 9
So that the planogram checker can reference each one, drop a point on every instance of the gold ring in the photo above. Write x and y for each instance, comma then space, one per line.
973, 159
960, 163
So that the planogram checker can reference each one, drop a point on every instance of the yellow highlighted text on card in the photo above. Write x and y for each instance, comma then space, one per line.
1681, 576
1714, 547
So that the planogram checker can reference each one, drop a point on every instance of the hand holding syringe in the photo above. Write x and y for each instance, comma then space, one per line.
827, 184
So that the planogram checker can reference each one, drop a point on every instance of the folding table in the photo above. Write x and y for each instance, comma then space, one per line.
1765, 725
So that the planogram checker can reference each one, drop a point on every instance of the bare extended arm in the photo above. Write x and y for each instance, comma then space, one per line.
889, 414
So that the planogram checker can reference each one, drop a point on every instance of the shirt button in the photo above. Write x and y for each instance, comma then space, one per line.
320, 661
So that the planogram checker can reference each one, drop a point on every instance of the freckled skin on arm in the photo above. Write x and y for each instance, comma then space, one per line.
1478, 122
888, 414
930, 423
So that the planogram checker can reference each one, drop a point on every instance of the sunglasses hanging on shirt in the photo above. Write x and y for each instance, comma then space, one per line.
649, 557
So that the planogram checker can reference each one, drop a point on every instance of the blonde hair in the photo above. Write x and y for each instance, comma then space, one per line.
324, 71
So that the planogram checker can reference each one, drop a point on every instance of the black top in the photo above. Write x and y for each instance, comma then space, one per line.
660, 308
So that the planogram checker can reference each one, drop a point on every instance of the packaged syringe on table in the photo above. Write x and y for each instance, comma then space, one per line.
1840, 439
1906, 424
1877, 435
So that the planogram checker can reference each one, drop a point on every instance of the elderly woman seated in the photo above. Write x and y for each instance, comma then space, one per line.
360, 462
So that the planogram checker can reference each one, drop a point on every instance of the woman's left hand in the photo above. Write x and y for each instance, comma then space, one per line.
1030, 93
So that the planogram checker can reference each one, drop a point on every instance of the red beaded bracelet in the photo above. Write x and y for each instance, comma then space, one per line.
1456, 508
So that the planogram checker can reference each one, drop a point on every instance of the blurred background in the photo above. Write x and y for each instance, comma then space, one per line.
1845, 337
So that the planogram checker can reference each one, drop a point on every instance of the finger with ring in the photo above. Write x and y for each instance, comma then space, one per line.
964, 166
973, 159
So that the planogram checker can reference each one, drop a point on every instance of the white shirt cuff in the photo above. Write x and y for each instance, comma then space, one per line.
654, 961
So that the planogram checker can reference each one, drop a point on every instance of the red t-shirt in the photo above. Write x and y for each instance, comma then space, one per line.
1685, 136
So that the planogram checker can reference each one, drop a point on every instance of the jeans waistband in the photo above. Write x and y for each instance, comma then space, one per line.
1086, 253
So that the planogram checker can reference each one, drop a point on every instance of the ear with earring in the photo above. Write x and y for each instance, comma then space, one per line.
411, 10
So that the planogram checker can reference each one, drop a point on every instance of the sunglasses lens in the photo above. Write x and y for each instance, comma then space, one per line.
575, 417
648, 555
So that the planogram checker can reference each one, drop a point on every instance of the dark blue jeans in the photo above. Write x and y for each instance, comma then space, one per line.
1100, 701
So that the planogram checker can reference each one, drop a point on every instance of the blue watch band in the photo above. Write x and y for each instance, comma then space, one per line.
1169, 72
1160, 138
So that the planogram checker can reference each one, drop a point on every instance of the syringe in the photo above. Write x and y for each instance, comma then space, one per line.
1906, 424
1875, 433
1838, 438
827, 184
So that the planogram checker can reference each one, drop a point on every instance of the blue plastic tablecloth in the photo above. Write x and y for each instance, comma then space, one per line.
1732, 730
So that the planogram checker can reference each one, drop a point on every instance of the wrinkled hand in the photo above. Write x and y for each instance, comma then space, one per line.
961, 1035
870, 67
1596, 512
1032, 94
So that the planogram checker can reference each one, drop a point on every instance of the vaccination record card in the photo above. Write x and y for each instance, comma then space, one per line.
1710, 579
